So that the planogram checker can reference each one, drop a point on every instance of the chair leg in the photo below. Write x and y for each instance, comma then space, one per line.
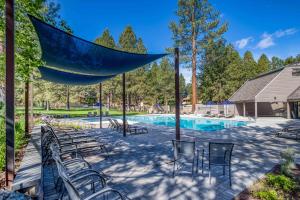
197, 164
174, 168
209, 174
193, 167
229, 167
223, 170
202, 166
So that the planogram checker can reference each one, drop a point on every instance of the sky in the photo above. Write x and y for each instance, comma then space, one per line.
261, 26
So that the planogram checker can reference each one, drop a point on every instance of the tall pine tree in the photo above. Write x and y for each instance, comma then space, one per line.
198, 21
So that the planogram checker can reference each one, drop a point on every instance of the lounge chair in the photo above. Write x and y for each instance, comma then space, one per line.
85, 144
130, 128
289, 133
135, 129
185, 152
221, 114
95, 114
112, 124
209, 114
119, 127
220, 155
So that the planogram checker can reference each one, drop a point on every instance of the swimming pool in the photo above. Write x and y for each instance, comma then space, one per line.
201, 124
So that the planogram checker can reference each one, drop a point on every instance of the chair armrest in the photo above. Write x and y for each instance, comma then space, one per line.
104, 191
75, 160
92, 175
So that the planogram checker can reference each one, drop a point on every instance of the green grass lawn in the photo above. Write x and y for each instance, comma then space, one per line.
74, 112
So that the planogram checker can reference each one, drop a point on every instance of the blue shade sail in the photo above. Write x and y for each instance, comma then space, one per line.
68, 78
69, 53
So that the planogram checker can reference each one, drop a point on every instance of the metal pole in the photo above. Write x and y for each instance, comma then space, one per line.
10, 94
100, 104
124, 104
177, 96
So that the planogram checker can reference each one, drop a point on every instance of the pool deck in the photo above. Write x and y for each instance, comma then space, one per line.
140, 164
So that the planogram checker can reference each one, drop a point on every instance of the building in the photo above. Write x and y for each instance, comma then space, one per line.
276, 93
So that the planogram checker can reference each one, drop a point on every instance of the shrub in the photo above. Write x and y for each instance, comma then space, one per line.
20, 138
288, 157
281, 182
267, 195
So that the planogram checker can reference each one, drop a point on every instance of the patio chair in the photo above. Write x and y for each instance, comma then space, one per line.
135, 129
82, 181
220, 155
75, 167
68, 145
112, 125
289, 133
208, 114
185, 152
89, 114
119, 127
95, 114
105, 193
221, 114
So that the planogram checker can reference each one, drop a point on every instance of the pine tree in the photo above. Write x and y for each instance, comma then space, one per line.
109, 87
106, 39
198, 21
263, 64
249, 66
276, 63
234, 72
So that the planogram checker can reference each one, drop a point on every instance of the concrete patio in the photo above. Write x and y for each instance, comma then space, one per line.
140, 165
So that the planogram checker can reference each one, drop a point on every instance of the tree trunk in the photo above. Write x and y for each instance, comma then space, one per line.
68, 98
194, 57
30, 103
26, 108
108, 101
47, 105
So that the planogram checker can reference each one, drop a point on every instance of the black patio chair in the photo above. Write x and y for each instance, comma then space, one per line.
220, 155
185, 152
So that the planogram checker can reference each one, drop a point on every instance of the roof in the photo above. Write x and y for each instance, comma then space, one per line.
252, 87
295, 95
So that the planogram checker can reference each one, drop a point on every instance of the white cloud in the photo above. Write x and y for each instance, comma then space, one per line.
268, 39
281, 33
242, 43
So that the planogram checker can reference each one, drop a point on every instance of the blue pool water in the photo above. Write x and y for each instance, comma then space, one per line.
202, 124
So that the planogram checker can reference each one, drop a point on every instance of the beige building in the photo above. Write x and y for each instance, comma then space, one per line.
276, 93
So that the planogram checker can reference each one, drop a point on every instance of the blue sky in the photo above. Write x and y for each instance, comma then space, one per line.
261, 26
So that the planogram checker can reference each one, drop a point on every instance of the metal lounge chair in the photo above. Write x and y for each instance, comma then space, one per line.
82, 181
82, 142
289, 133
220, 155
119, 127
185, 152
112, 124
135, 129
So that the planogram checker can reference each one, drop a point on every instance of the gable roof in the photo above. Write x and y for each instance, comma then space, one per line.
295, 95
252, 87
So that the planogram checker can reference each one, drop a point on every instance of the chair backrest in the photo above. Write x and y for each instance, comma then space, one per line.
116, 122
185, 148
220, 152
72, 192
111, 122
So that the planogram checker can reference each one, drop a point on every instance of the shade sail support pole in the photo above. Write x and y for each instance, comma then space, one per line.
100, 104
124, 104
10, 94
177, 94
